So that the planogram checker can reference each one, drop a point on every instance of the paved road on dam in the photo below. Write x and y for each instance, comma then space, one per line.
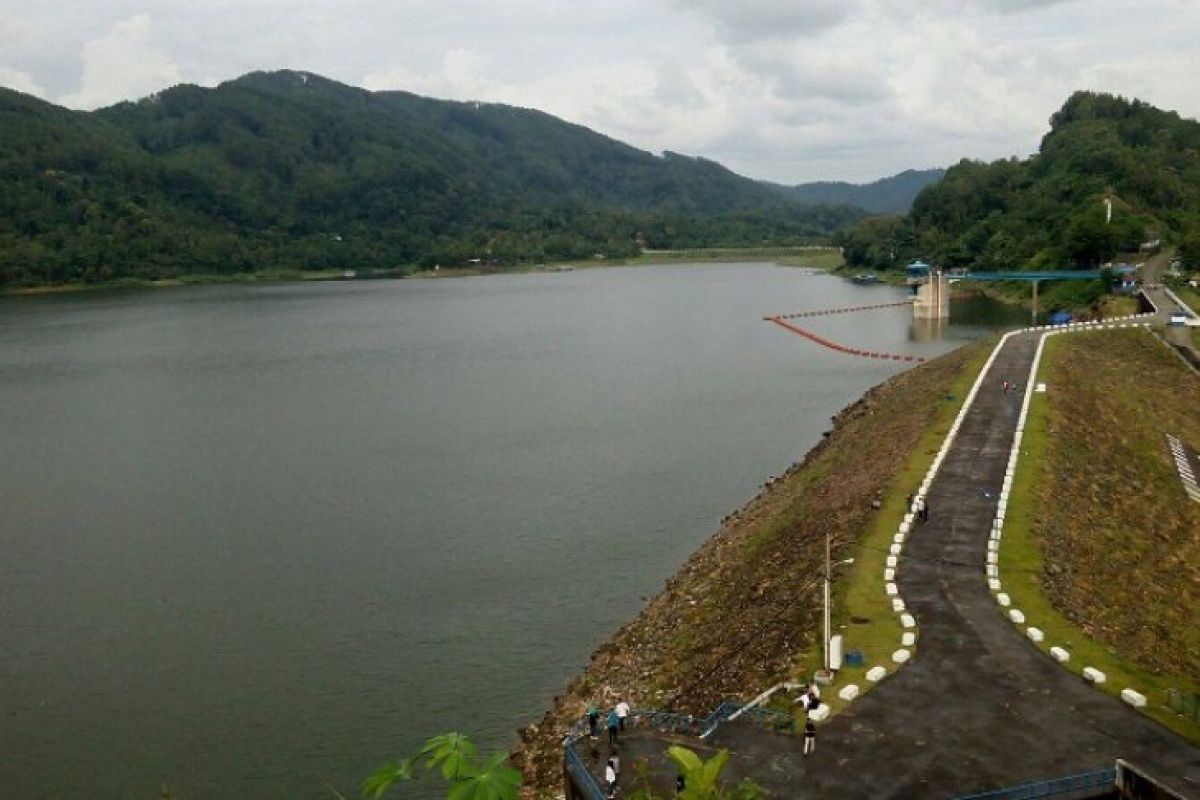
978, 708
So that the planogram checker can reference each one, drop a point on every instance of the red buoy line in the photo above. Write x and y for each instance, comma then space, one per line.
841, 348
826, 311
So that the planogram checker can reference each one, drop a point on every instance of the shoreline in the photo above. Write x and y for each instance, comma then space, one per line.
785, 257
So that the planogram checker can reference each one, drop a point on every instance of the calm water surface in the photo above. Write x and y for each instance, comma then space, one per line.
254, 539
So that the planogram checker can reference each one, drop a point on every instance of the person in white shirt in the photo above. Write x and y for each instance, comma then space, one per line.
622, 713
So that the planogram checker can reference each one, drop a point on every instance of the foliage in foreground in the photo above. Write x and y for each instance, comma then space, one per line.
471, 777
468, 775
702, 779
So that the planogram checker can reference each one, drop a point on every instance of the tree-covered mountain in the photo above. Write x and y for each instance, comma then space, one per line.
892, 195
1051, 210
291, 170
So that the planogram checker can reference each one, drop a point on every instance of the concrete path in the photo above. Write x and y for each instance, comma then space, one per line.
978, 707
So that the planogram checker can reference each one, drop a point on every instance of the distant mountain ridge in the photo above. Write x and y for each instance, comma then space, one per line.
891, 195
289, 169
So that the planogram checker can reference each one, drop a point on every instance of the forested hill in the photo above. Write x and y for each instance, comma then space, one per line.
892, 195
291, 170
1048, 211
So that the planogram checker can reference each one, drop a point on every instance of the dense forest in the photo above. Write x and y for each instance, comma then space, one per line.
892, 195
288, 170
1049, 211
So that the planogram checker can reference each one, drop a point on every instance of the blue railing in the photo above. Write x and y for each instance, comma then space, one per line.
1056, 787
669, 722
584, 780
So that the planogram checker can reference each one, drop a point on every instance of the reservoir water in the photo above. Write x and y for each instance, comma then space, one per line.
257, 539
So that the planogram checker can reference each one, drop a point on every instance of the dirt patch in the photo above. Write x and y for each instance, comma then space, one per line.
745, 608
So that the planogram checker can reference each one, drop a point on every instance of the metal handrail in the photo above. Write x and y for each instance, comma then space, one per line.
671, 722
1050, 788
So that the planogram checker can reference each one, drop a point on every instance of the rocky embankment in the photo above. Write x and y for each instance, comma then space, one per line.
743, 612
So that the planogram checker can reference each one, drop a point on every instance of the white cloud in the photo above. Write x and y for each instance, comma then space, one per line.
754, 20
123, 64
21, 81
788, 90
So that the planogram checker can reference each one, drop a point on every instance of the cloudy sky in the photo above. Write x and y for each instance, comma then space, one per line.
787, 90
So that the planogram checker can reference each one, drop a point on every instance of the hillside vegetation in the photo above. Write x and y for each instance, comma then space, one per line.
891, 195
289, 170
1048, 211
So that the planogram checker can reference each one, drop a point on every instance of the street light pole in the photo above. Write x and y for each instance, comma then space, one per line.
828, 623
828, 569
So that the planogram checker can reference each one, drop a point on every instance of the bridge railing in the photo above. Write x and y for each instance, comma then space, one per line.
1070, 786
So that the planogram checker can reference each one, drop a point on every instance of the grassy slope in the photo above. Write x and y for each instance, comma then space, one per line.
744, 612
1101, 548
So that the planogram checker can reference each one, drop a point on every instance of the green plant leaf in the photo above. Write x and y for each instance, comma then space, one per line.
454, 752
684, 758
382, 779
495, 781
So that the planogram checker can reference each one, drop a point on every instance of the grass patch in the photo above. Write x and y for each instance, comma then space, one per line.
1099, 547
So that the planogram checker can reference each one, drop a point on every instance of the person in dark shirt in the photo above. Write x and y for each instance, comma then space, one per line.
810, 737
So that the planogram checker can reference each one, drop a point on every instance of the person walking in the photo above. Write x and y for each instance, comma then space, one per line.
610, 777
810, 737
622, 713
924, 509
919, 504
613, 723
593, 718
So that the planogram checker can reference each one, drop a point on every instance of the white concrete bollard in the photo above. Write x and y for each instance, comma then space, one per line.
895, 550
898, 538
907, 621
820, 713
898, 604
1004, 495
1017, 616
994, 584
908, 639
891, 589
1003, 599
905, 527
1001, 508
908, 518
1135, 699
875, 674
1035, 634
848, 693
1060, 655
1094, 675
891, 561
889, 574
994, 545
901, 655
993, 557
993, 571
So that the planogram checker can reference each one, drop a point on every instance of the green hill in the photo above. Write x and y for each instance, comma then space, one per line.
291, 170
892, 195
1049, 211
